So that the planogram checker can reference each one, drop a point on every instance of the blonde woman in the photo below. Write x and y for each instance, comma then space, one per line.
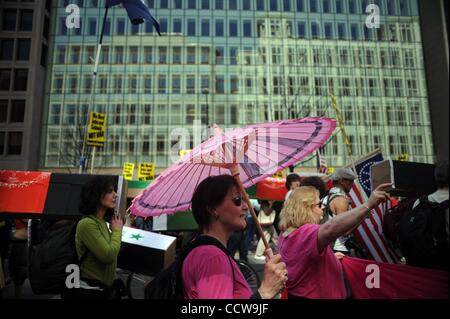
314, 270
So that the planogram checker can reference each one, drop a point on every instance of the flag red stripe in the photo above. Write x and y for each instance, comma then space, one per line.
372, 232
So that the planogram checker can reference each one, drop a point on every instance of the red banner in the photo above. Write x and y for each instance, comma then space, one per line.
375, 280
23, 192
271, 189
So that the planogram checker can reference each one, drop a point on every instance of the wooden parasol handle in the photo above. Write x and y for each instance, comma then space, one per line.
235, 172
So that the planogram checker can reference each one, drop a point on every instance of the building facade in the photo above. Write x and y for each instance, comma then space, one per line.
237, 62
24, 35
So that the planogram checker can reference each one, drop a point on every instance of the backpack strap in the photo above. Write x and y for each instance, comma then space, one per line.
330, 198
202, 240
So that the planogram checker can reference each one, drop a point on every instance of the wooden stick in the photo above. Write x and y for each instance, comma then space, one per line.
235, 172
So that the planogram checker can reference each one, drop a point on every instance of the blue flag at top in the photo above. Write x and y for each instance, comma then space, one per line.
363, 170
137, 11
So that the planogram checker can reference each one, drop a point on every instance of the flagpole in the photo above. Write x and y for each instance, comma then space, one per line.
91, 99
344, 134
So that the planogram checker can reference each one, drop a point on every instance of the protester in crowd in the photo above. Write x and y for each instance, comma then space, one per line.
266, 219
237, 243
292, 182
250, 231
97, 246
18, 258
337, 202
209, 273
428, 246
318, 183
314, 271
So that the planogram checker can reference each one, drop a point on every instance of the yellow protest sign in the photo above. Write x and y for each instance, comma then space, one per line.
146, 171
279, 174
330, 170
403, 157
97, 129
184, 152
128, 171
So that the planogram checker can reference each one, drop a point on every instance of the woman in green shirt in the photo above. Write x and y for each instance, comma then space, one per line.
97, 245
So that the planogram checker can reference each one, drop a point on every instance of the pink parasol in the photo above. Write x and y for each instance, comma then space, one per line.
253, 153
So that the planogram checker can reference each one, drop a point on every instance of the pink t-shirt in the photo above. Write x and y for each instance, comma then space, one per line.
207, 274
311, 275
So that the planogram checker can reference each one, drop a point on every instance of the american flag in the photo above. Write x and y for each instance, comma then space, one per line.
370, 232
322, 166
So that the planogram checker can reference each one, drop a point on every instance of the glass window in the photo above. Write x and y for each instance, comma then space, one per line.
219, 28
260, 5
191, 28
220, 84
247, 28
273, 5
219, 5
120, 26
164, 4
17, 114
148, 54
341, 31
176, 84
313, 5
20, 79
220, 55
178, 4
133, 57
5, 79
14, 143
176, 55
300, 5
355, 32
190, 84
177, 26
352, 6
314, 30
192, 4
205, 4
233, 28
191, 55
6, 49
205, 56
326, 6
9, 19
92, 25
246, 4
328, 31
162, 85
3, 111
232, 4
162, 54
287, 5
338, 4
119, 54
234, 84
233, 55
23, 50
301, 30
26, 20
205, 28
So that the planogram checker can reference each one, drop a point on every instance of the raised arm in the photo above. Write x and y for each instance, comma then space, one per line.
345, 222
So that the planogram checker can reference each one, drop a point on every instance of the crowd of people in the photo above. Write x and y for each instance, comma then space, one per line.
309, 234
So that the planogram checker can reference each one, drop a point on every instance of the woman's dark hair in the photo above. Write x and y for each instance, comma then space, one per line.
209, 194
92, 193
317, 182
290, 179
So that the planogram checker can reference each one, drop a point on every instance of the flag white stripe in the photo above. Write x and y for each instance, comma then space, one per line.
368, 244
375, 234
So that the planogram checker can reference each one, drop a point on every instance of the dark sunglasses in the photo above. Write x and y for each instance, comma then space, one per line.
237, 200
319, 204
